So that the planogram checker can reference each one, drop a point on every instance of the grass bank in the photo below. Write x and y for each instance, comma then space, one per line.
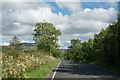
43, 71
17, 63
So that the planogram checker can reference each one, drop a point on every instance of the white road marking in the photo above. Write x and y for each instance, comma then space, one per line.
55, 71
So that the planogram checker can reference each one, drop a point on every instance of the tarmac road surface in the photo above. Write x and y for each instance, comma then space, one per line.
66, 70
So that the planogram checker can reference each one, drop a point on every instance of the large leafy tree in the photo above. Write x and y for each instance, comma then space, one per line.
73, 50
45, 35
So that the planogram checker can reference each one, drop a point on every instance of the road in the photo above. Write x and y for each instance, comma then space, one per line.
73, 71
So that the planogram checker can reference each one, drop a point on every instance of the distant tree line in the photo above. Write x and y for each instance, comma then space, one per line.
104, 48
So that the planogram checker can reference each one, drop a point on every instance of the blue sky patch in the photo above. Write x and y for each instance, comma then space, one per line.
90, 5
57, 9
93, 5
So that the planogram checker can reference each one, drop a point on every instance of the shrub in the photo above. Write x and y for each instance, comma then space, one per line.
57, 53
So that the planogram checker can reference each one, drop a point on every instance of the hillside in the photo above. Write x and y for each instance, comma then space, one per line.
63, 49
28, 46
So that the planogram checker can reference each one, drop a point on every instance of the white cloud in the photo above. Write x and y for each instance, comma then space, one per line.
67, 0
14, 6
0, 18
4, 43
22, 1
17, 23
60, 0
31, 16
99, 0
89, 21
86, 0
68, 42
82, 23
96, 14
26, 41
113, 4
71, 6
87, 10
23, 30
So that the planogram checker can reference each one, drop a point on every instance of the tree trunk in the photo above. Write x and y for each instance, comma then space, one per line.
50, 51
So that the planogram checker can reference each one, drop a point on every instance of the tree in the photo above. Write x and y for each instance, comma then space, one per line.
15, 42
73, 50
103, 49
74, 42
45, 35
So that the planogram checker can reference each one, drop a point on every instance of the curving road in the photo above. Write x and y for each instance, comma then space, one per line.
73, 71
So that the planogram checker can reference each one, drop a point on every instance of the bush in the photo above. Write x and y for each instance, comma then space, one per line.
15, 53
11, 52
57, 53
5, 49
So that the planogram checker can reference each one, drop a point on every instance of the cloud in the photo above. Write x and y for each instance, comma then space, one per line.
88, 20
31, 16
0, 18
17, 23
22, 1
113, 4
86, 1
24, 5
71, 6
67, 0
20, 21
82, 23
4, 43
60, 0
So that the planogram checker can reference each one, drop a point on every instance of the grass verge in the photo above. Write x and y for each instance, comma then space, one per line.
43, 71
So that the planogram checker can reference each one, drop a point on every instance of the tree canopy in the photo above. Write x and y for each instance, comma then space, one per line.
46, 36
104, 48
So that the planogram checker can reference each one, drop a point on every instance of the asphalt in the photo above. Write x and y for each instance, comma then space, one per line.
74, 71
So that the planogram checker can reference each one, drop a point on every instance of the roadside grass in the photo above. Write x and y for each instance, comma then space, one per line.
26, 64
43, 70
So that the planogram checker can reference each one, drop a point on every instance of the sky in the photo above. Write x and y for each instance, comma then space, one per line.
75, 19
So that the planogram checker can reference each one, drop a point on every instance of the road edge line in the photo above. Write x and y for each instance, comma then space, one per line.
55, 71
